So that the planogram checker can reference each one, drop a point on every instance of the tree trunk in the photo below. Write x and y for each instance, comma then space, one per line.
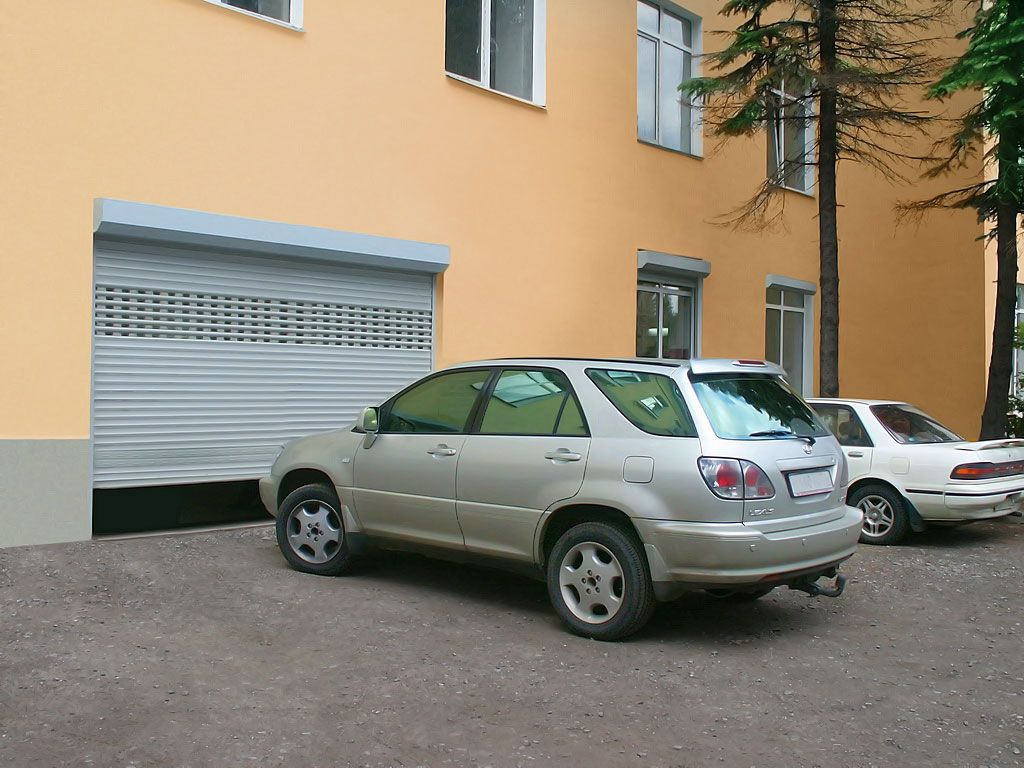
828, 230
1000, 367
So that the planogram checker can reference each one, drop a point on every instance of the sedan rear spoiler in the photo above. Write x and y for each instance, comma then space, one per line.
986, 445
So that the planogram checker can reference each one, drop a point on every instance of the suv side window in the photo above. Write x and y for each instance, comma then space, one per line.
441, 404
532, 403
650, 401
845, 425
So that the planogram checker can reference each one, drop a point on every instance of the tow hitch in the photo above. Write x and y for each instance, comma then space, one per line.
811, 587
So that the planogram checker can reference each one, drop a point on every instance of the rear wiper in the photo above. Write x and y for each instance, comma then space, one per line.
782, 433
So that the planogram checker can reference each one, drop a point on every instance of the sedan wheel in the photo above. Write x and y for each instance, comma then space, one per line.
885, 516
878, 516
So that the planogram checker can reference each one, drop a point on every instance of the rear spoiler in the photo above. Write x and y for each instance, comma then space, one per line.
700, 367
986, 445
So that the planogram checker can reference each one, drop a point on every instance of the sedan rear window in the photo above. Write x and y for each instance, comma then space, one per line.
909, 425
754, 407
650, 401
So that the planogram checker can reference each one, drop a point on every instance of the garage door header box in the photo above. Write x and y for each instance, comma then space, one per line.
122, 220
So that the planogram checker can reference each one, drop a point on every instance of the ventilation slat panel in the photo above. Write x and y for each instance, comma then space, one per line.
205, 364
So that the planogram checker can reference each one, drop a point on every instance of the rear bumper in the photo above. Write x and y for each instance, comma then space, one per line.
732, 554
956, 503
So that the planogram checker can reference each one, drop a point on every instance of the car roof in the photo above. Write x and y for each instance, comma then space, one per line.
853, 401
700, 366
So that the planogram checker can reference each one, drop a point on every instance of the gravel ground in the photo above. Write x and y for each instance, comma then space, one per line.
206, 650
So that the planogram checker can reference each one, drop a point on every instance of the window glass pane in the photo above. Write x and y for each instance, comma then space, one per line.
773, 336
646, 88
275, 9
462, 38
686, 108
669, 98
795, 137
676, 29
773, 295
571, 422
441, 404
647, 18
909, 425
849, 430
793, 348
512, 47
793, 299
646, 324
525, 403
739, 406
650, 401
677, 317
775, 132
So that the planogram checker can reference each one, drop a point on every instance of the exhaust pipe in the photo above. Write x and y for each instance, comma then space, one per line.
810, 585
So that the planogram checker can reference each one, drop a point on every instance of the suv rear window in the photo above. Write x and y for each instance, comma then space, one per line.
650, 401
754, 407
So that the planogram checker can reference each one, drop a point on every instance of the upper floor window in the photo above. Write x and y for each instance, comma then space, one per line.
790, 141
498, 44
287, 12
666, 44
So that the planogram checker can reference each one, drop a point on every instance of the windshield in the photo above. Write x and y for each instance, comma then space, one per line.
908, 425
755, 407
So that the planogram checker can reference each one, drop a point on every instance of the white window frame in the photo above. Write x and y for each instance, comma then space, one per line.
1018, 354
540, 20
695, 50
294, 22
777, 129
807, 290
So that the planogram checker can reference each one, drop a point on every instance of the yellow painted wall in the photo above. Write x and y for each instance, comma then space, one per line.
353, 125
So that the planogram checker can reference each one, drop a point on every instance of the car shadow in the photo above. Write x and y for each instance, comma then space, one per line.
965, 536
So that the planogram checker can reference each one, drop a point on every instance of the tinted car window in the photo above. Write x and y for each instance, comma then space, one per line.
530, 403
571, 422
754, 407
845, 425
440, 404
650, 401
909, 425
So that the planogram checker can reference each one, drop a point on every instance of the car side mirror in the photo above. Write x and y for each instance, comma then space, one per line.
368, 420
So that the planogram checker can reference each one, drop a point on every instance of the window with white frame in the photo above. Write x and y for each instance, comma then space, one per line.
498, 44
666, 43
666, 317
788, 331
285, 11
790, 140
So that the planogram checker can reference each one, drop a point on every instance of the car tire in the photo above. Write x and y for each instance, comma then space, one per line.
885, 514
311, 532
599, 581
736, 596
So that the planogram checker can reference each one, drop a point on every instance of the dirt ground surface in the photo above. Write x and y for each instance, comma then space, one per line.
206, 650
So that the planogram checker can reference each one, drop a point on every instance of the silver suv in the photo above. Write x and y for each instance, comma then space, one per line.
621, 482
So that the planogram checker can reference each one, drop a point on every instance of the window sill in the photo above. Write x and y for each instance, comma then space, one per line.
656, 145
251, 15
482, 87
794, 190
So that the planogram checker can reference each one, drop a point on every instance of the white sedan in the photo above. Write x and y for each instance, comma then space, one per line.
906, 469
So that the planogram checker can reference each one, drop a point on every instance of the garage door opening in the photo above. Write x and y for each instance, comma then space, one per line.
118, 511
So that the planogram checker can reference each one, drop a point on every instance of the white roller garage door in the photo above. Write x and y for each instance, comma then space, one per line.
206, 363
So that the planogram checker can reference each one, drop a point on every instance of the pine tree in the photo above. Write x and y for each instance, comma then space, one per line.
840, 70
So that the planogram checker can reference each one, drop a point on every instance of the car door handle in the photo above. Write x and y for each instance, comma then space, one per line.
442, 450
563, 455
856, 454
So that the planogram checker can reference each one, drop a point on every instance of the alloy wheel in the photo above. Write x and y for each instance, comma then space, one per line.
879, 516
314, 531
592, 582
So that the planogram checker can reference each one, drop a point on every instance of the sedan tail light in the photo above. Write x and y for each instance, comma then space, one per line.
985, 470
735, 479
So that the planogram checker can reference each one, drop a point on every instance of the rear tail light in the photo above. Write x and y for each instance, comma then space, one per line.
985, 470
735, 479
844, 473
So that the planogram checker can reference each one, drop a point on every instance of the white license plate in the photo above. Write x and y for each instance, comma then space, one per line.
810, 483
